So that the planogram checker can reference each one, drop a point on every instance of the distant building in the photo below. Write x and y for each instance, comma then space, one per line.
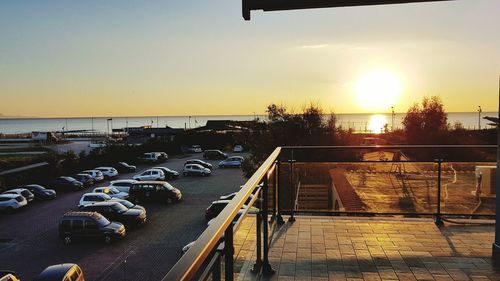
142, 134
224, 126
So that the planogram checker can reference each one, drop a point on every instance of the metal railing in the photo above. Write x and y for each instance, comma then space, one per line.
273, 185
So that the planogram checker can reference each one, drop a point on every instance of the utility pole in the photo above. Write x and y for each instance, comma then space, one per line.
479, 110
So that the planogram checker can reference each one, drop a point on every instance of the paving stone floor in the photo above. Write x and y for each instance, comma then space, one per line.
347, 248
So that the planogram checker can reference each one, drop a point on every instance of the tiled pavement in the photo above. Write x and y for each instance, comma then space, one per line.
347, 248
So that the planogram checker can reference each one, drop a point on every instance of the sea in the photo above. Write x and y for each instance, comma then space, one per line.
357, 122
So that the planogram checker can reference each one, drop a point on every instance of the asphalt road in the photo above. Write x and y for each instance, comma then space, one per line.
29, 240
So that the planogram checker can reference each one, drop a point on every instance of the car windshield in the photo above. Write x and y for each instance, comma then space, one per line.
36, 187
102, 221
113, 190
127, 204
119, 208
106, 197
168, 186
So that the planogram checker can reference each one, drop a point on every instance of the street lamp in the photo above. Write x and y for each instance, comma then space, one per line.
393, 115
479, 110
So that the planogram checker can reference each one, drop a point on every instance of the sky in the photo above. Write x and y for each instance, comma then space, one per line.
64, 58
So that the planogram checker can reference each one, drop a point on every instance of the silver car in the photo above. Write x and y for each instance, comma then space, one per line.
12, 202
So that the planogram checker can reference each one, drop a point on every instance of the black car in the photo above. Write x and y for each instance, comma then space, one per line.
154, 191
66, 183
86, 179
169, 174
61, 272
123, 167
89, 225
214, 154
199, 162
40, 192
117, 212
215, 208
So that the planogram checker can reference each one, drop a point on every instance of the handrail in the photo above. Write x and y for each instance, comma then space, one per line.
190, 263
391, 146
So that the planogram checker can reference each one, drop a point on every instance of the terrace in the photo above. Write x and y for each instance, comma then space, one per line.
356, 213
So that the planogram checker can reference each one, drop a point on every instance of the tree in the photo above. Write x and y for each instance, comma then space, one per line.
426, 123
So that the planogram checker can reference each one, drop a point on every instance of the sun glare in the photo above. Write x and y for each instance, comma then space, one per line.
378, 90
377, 123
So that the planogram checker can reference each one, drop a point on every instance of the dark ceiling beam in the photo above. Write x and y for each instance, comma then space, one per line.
279, 5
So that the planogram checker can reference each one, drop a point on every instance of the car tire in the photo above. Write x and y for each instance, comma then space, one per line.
169, 201
185, 173
107, 239
136, 201
67, 239
203, 174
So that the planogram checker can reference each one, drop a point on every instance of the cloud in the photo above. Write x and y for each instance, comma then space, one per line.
316, 46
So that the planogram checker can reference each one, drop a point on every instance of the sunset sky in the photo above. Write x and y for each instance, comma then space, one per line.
118, 58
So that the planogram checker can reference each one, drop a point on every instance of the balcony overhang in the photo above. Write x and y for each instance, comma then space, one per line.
279, 5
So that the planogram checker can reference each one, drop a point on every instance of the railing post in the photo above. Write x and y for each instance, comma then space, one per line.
258, 262
279, 218
266, 267
275, 181
228, 253
292, 192
437, 220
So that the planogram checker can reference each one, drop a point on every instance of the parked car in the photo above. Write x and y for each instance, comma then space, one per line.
154, 191
96, 174
214, 154
195, 169
236, 218
238, 148
122, 185
61, 272
152, 157
169, 174
111, 191
12, 202
215, 208
40, 192
162, 154
150, 175
23, 192
90, 198
232, 162
7, 275
86, 179
231, 196
108, 172
124, 167
195, 148
117, 212
199, 162
66, 183
187, 247
81, 225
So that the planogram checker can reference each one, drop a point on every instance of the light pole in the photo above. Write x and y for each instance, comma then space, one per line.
107, 123
393, 115
479, 110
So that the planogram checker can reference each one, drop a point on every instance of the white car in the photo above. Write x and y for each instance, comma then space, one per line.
150, 175
238, 148
194, 149
96, 174
23, 192
12, 202
111, 191
89, 198
108, 172
122, 185
195, 169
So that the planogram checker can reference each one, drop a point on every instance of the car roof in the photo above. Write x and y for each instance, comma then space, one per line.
221, 202
94, 193
82, 214
194, 164
16, 190
9, 195
150, 182
106, 203
55, 272
127, 180
104, 168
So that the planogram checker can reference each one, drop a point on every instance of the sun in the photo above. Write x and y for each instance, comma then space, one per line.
378, 90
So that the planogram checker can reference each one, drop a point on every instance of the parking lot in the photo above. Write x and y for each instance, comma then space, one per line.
29, 239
